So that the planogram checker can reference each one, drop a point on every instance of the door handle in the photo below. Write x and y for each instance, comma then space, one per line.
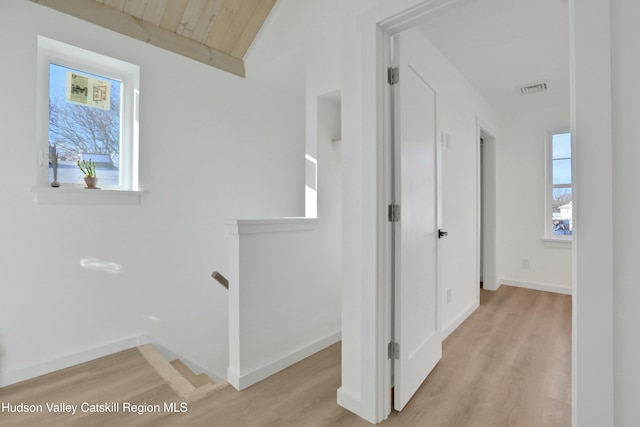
442, 234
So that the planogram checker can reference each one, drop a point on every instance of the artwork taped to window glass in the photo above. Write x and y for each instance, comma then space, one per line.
88, 91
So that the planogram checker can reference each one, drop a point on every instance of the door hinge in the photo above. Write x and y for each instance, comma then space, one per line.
393, 350
393, 75
394, 213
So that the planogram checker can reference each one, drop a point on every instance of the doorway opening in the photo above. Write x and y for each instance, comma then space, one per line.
384, 25
487, 210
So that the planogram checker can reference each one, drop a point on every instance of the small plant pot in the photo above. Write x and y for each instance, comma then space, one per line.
91, 182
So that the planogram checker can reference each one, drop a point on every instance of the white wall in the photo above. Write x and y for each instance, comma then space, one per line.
626, 205
520, 202
322, 40
330, 173
298, 49
593, 262
212, 146
284, 295
459, 109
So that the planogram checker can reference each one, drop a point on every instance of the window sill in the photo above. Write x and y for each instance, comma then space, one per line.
78, 195
557, 243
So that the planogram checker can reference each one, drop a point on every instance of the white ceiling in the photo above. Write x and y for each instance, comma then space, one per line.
498, 45
501, 45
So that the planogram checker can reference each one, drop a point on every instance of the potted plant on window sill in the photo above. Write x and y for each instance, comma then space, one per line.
89, 171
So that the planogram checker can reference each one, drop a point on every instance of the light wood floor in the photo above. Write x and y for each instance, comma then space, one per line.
509, 364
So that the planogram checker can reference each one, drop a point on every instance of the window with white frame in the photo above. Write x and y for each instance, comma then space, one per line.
87, 113
559, 198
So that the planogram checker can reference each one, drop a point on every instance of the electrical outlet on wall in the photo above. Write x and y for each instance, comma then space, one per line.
448, 296
525, 263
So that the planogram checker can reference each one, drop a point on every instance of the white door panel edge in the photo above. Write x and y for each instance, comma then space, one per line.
416, 293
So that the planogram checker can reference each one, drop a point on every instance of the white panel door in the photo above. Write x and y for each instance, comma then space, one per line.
416, 329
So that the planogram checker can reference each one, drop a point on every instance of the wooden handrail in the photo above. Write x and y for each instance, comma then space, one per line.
221, 279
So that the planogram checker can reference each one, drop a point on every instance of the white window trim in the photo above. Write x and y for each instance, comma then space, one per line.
52, 51
550, 239
565, 243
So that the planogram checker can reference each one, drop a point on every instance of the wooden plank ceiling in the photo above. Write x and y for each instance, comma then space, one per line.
215, 32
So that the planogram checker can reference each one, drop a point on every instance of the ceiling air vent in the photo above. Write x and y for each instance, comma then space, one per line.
540, 87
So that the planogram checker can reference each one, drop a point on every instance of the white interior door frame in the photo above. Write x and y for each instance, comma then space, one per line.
377, 29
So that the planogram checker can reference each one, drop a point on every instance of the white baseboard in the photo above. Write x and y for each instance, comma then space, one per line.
538, 286
491, 286
455, 323
241, 380
68, 360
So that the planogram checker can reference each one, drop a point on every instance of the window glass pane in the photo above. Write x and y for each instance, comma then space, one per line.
561, 197
560, 186
561, 146
561, 171
562, 213
84, 123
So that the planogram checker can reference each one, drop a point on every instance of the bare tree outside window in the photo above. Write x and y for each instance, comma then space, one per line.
82, 131
561, 185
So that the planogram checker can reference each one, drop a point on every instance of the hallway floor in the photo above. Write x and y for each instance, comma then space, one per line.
509, 364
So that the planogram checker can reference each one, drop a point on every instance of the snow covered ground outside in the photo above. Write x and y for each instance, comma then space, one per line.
68, 173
